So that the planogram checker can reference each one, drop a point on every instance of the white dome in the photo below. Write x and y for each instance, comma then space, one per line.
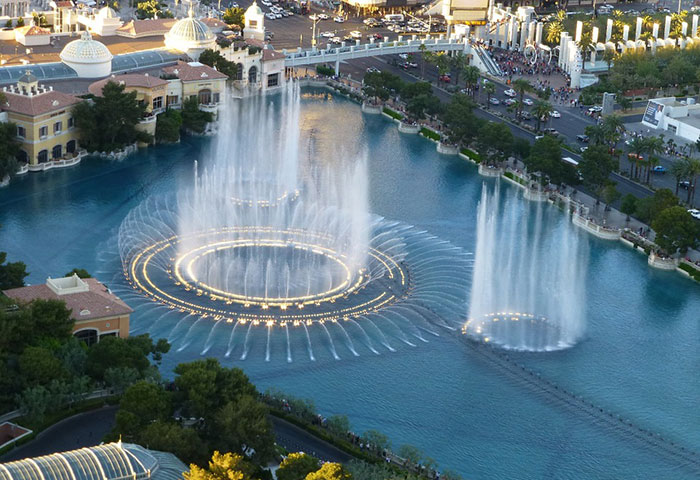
88, 57
190, 30
107, 12
254, 9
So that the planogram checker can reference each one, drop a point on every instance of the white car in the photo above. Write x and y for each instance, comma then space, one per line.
494, 101
328, 34
323, 16
338, 19
270, 16
313, 17
403, 56
555, 114
266, 3
595, 109
336, 40
356, 34
510, 101
510, 93
528, 102
695, 213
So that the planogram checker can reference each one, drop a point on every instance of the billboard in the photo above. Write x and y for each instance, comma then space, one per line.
653, 113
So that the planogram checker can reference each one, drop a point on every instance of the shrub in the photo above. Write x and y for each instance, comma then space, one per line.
693, 272
471, 154
325, 71
393, 113
431, 134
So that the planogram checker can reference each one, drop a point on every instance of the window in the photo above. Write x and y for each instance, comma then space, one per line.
43, 156
172, 100
57, 152
71, 122
70, 146
216, 98
253, 24
157, 103
253, 74
57, 127
43, 132
239, 71
21, 132
205, 96
88, 336
273, 80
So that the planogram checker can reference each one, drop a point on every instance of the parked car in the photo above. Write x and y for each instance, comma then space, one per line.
356, 34
327, 34
494, 101
555, 114
378, 36
270, 16
403, 56
582, 138
528, 102
684, 184
510, 93
323, 16
510, 101
336, 40
595, 109
338, 19
659, 169
551, 131
695, 213
313, 17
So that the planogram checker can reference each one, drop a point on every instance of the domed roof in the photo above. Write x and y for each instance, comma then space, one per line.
254, 9
107, 12
85, 50
190, 30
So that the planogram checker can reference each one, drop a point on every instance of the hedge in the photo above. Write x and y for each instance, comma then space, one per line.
392, 113
693, 272
431, 134
471, 154
514, 178
326, 71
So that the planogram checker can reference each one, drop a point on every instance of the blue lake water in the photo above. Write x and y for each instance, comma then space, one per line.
640, 356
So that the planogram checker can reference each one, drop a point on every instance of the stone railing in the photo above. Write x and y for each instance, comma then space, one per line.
662, 262
600, 231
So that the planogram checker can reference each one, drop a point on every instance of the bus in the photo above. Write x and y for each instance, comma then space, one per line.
393, 18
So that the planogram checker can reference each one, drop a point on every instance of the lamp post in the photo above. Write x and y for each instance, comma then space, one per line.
313, 34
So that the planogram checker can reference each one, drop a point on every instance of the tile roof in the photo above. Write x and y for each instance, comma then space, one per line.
98, 302
270, 54
37, 104
63, 3
129, 80
213, 22
191, 72
30, 30
153, 26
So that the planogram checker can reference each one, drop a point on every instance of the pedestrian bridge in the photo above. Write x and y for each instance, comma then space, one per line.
314, 56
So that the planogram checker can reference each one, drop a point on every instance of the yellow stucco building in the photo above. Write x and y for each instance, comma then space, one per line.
45, 125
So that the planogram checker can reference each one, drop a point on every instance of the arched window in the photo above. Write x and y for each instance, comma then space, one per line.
239, 71
70, 146
253, 74
57, 152
22, 157
43, 156
89, 336
204, 96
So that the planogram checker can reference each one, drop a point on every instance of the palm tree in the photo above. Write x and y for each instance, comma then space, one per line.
680, 171
490, 89
693, 171
609, 56
541, 110
555, 28
655, 145
521, 86
613, 127
636, 148
472, 74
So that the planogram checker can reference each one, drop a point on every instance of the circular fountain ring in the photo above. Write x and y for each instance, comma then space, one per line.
525, 331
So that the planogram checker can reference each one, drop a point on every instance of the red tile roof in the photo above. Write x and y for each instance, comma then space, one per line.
192, 72
98, 302
148, 27
213, 22
33, 30
38, 104
270, 54
129, 80
63, 4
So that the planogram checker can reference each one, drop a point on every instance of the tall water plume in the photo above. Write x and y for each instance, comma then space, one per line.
528, 288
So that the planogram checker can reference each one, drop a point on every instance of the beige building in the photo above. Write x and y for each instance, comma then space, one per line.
194, 80
97, 312
45, 125
150, 90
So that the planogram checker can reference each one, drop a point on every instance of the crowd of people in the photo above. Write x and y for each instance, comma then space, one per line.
513, 62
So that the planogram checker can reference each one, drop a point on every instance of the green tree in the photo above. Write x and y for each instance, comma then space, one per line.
521, 87
545, 159
20, 21
542, 111
521, 148
495, 142
38, 366
12, 275
9, 147
376, 439
151, 9
459, 119
34, 402
183, 442
215, 60
490, 89
595, 167
629, 205
330, 471
410, 453
649, 208
120, 378
142, 404
80, 272
410, 90
194, 119
610, 194
115, 352
297, 466
51, 320
234, 16
228, 466
339, 425
471, 76
676, 230
168, 126
110, 121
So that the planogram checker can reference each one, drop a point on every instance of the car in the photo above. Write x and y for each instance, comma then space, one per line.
403, 56
510, 93
494, 101
595, 109
510, 101
583, 149
289, 13
555, 114
336, 40
551, 131
314, 17
582, 138
412, 64
327, 34
285, 13
378, 36
278, 15
695, 213
266, 3
539, 137
339, 19
445, 78
684, 184
372, 70
528, 102
659, 169
323, 16
356, 34
270, 16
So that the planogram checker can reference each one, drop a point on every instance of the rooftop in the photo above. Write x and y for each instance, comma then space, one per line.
35, 102
89, 301
193, 71
148, 27
129, 80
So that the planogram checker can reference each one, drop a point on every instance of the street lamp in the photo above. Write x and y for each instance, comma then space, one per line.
313, 34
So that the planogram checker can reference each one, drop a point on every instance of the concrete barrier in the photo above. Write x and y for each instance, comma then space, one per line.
447, 149
488, 171
371, 109
666, 263
412, 129
598, 230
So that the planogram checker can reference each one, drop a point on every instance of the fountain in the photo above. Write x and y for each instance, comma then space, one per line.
271, 235
528, 287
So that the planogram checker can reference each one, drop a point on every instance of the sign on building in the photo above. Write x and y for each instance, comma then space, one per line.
653, 113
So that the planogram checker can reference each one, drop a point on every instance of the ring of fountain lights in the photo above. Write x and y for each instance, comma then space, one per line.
479, 328
284, 197
181, 289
